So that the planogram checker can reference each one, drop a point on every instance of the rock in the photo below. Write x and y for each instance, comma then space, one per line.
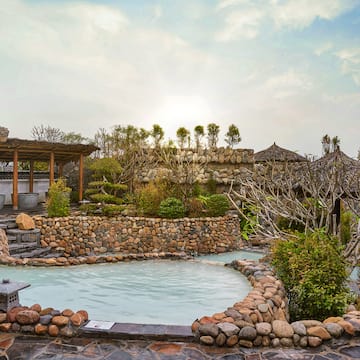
303, 341
314, 341
25, 222
263, 328
3, 317
11, 314
282, 329
41, 329
286, 342
310, 323
27, 317
248, 333
219, 316
4, 244
220, 339
194, 327
228, 329
296, 339
275, 342
27, 329
334, 329
15, 327
299, 328
245, 343
349, 329
36, 307
60, 320
46, 311
207, 340
5, 327
84, 314
209, 329
266, 341
53, 330
243, 323
67, 331
232, 340
76, 319
263, 308
67, 312
319, 331
258, 341
45, 319
333, 319
233, 313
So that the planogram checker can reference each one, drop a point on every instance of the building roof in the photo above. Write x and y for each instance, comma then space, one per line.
337, 158
40, 150
277, 153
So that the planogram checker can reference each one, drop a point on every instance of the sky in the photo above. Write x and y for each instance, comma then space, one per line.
284, 71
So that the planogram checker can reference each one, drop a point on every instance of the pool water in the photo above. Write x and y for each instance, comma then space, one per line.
152, 292
228, 257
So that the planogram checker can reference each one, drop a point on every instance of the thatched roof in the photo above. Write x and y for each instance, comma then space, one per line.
336, 158
40, 150
277, 153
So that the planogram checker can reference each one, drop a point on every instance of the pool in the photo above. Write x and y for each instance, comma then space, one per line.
228, 257
149, 292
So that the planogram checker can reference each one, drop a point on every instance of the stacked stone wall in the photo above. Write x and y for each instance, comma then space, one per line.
221, 164
91, 235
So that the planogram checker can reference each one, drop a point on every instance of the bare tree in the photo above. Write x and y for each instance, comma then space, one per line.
308, 195
46, 133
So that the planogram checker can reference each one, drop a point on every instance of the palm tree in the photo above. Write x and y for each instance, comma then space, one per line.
199, 133
326, 144
232, 137
335, 142
213, 135
182, 134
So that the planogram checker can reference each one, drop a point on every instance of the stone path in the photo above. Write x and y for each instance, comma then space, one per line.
24, 347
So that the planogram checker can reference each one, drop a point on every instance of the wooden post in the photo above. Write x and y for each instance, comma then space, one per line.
81, 176
51, 169
31, 177
15, 180
61, 169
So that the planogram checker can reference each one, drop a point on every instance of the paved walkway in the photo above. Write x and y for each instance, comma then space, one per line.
24, 347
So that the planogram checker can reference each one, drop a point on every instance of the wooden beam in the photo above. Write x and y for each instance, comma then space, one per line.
15, 180
52, 169
31, 177
81, 177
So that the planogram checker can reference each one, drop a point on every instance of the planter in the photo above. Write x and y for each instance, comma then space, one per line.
28, 200
2, 200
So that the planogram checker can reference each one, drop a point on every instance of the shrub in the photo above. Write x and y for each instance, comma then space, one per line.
112, 210
195, 208
216, 205
58, 202
149, 199
314, 275
346, 218
171, 208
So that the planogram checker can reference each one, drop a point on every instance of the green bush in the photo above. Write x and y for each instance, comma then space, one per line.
112, 210
216, 205
149, 199
58, 202
171, 208
106, 199
314, 274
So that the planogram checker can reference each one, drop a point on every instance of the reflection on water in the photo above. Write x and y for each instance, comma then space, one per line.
167, 292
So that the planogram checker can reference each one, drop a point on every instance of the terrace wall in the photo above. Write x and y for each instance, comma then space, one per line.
93, 235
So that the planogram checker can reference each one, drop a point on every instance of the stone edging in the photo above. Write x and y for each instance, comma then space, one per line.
262, 318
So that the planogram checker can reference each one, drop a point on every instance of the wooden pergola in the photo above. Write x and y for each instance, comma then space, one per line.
16, 150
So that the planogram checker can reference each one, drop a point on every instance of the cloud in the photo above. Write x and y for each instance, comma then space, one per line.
243, 18
288, 84
241, 24
324, 48
350, 63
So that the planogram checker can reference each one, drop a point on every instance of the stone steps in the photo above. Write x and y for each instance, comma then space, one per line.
23, 236
15, 248
34, 253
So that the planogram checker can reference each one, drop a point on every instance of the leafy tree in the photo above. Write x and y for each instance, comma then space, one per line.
213, 135
58, 202
73, 138
182, 135
232, 137
335, 143
314, 274
326, 144
157, 133
199, 133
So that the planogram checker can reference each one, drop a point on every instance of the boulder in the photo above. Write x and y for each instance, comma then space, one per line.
27, 317
263, 328
282, 329
228, 329
320, 332
25, 222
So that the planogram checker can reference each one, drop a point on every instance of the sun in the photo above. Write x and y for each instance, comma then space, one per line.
180, 110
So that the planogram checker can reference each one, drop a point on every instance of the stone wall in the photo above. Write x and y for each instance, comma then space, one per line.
262, 318
92, 235
221, 164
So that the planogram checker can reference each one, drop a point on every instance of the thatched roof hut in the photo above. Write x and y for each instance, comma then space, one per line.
336, 158
275, 153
